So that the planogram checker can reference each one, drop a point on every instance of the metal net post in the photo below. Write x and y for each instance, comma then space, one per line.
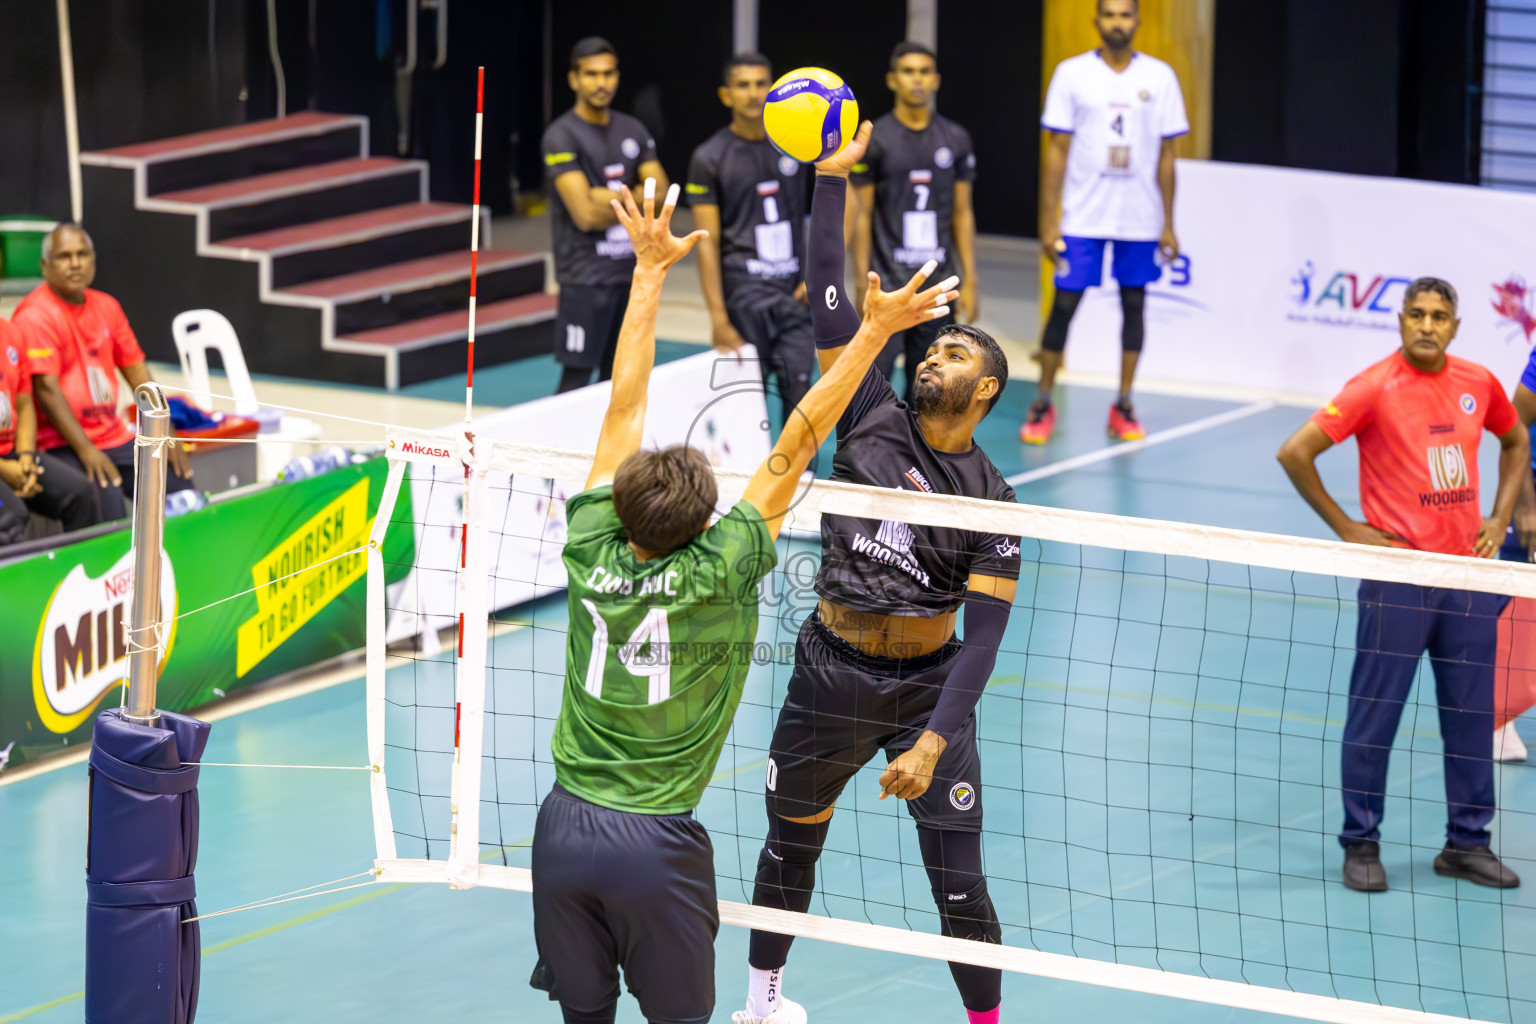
149, 463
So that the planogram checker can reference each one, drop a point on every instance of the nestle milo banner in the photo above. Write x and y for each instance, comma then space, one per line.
289, 552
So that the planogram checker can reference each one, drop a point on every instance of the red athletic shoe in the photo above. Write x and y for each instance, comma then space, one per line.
1122, 423
1037, 429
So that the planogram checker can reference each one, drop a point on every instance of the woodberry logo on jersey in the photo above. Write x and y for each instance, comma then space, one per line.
82, 651
1449, 477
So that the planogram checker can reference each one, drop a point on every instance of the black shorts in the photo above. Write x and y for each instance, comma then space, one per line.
587, 325
843, 707
613, 889
779, 326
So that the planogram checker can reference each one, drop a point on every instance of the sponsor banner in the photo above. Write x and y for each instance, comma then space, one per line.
1291, 280
267, 583
712, 402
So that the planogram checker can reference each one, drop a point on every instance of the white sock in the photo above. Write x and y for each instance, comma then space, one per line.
763, 989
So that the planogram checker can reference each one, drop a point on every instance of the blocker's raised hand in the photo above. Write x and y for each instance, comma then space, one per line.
843, 161
907, 306
650, 232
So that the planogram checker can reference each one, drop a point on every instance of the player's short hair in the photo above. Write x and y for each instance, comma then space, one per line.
1098, 6
590, 47
745, 60
1440, 287
66, 225
907, 47
993, 362
663, 497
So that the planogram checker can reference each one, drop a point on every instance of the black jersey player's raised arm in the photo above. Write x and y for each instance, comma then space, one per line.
623, 876
877, 665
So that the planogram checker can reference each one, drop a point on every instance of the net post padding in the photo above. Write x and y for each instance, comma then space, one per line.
469, 741
377, 622
1090, 529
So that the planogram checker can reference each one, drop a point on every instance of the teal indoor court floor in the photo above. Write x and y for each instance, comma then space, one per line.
1179, 779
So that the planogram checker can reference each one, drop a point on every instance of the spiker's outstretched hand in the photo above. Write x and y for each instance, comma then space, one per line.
656, 247
909, 305
843, 161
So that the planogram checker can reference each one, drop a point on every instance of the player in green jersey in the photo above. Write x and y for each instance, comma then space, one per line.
661, 604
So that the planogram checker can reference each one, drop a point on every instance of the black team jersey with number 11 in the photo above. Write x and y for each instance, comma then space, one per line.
609, 155
891, 567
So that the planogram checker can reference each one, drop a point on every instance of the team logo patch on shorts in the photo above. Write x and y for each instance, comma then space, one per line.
962, 796
1468, 404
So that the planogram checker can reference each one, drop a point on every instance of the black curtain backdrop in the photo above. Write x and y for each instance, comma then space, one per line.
978, 41
1390, 96
669, 68
143, 69
1396, 95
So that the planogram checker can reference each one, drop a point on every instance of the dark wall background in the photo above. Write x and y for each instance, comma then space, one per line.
978, 39
1389, 97
127, 90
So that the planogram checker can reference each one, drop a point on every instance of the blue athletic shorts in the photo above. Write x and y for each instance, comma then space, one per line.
1082, 265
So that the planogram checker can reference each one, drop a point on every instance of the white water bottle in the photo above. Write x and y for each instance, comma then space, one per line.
307, 466
181, 502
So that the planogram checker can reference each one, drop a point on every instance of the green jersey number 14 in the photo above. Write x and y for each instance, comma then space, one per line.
656, 665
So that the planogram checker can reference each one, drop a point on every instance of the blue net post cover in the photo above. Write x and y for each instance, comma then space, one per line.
141, 961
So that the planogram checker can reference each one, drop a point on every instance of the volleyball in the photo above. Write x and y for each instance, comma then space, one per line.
810, 114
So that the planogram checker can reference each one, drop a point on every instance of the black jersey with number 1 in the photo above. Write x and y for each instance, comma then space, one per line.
914, 174
761, 196
609, 155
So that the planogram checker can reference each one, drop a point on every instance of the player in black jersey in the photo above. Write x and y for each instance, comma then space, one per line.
752, 200
877, 665
589, 152
914, 191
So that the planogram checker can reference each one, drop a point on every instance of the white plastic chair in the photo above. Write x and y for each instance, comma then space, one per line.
196, 331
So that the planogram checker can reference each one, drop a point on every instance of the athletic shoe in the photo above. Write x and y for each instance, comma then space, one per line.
1122, 423
1507, 745
1362, 867
1476, 864
1041, 423
789, 1012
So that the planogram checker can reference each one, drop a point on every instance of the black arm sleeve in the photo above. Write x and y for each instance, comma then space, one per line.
832, 311
986, 617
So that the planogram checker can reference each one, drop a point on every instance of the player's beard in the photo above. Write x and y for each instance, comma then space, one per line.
1116, 39
936, 396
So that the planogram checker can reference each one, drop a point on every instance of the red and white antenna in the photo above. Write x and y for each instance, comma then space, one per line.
474, 250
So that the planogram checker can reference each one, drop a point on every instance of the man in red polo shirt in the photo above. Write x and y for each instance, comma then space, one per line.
1418, 416
30, 482
77, 341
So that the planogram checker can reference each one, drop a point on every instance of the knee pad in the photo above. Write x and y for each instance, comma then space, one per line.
786, 869
968, 914
1063, 308
1133, 302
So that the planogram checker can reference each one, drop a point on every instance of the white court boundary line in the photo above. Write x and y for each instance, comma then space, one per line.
1129, 447
1080, 970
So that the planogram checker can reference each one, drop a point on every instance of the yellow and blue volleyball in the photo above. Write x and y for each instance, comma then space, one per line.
810, 114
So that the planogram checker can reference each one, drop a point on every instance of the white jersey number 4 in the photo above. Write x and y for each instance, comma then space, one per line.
656, 665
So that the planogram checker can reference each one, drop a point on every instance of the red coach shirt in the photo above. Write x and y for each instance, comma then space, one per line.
15, 379
1418, 434
84, 346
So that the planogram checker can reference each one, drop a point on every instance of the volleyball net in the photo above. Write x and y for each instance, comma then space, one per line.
1160, 745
